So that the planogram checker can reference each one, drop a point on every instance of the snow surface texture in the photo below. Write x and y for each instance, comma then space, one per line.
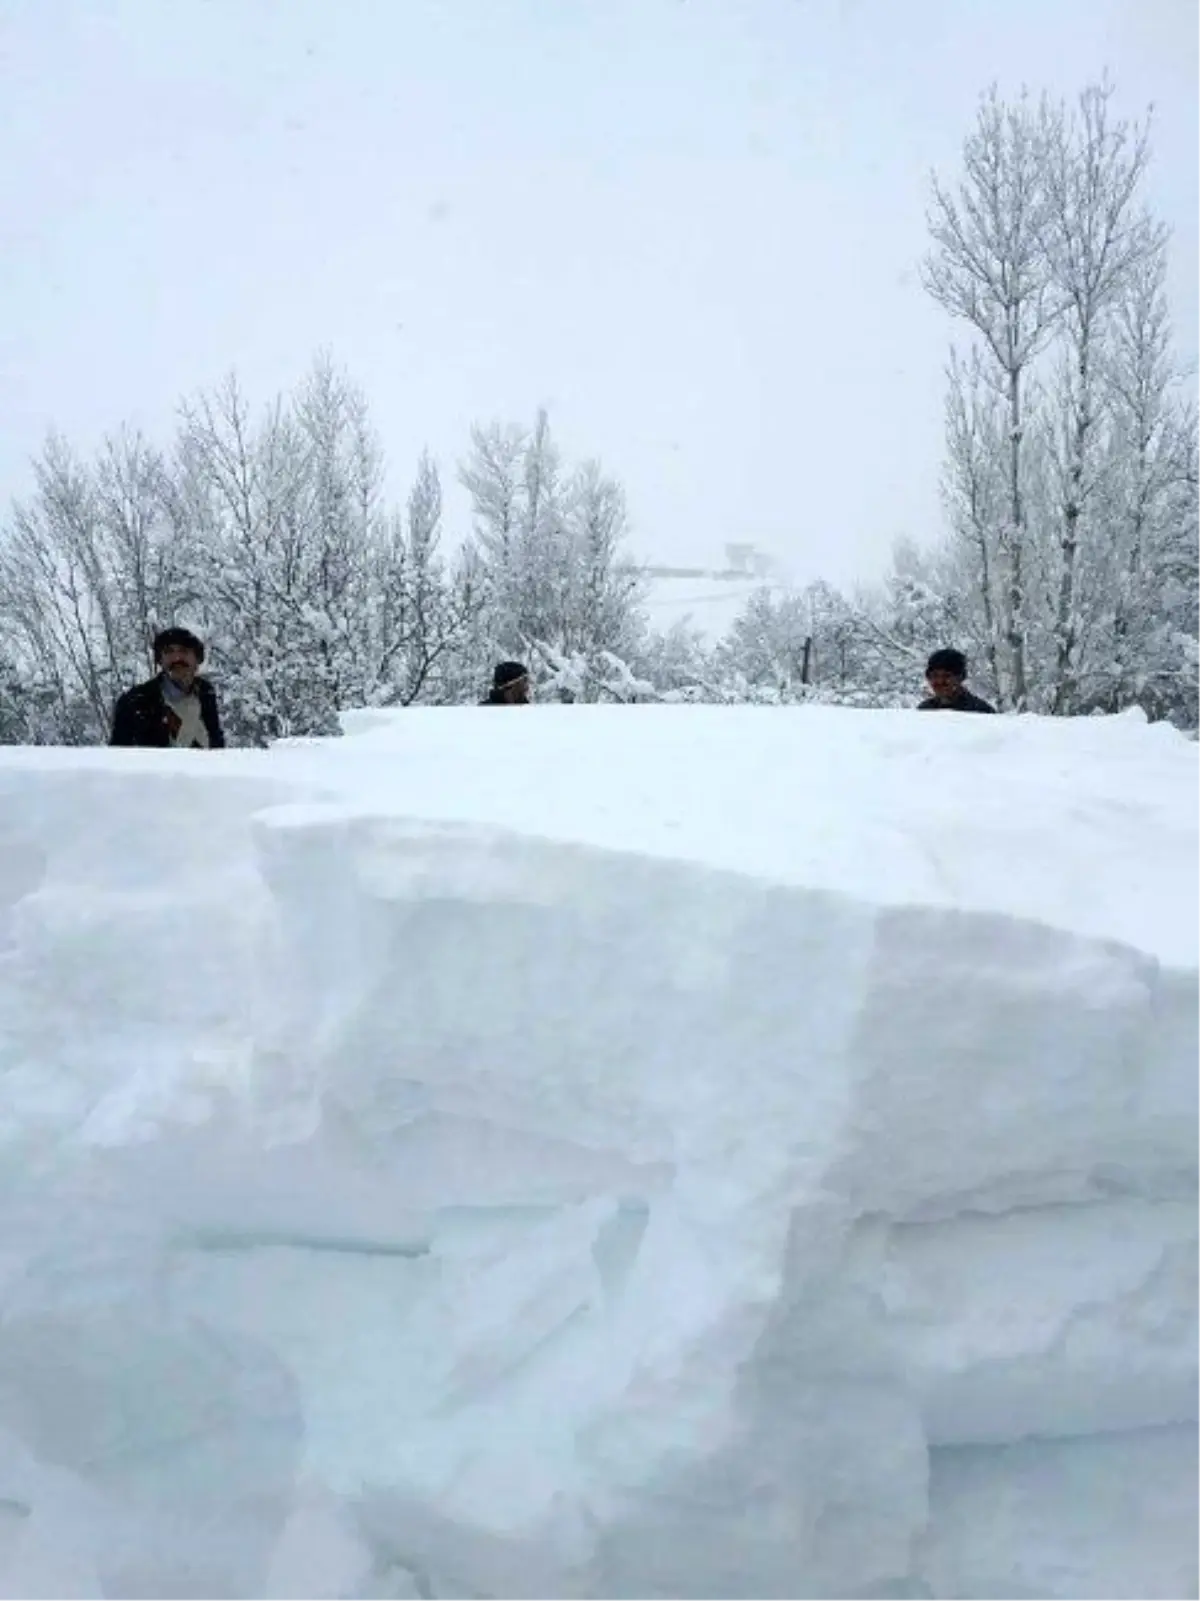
632, 1152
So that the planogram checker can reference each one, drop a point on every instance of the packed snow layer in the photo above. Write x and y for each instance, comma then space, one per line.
650, 1151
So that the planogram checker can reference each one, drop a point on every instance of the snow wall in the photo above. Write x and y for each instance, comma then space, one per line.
632, 1152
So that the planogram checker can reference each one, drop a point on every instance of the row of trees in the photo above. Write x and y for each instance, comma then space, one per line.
1068, 571
269, 535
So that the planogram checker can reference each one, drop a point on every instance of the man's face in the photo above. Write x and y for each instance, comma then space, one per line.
180, 665
944, 685
516, 694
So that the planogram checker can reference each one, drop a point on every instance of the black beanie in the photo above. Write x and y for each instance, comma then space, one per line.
947, 661
509, 673
183, 637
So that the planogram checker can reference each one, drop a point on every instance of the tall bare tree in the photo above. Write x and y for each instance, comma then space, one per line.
989, 266
1098, 237
1146, 652
973, 493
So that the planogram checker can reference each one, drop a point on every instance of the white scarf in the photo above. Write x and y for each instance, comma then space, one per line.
192, 734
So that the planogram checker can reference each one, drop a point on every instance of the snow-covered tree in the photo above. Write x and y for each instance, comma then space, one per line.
679, 662
269, 509
551, 560
1098, 239
426, 626
317, 599
606, 588
88, 567
817, 644
989, 266
267, 534
1142, 639
1070, 501
769, 643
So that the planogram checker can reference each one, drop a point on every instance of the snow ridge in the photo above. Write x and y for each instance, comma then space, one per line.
408, 1202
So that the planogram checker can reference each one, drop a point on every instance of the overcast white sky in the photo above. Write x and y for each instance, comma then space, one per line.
689, 227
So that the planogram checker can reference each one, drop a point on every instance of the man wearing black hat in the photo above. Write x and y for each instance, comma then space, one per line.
510, 685
177, 709
946, 675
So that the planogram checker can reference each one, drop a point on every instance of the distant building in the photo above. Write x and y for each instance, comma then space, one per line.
745, 561
651, 571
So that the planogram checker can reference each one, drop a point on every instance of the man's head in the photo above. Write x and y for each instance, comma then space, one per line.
178, 654
946, 673
510, 684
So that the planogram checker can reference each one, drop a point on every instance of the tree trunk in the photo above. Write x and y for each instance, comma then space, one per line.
1016, 575
1065, 632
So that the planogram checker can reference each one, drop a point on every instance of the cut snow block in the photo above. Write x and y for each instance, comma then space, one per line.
1104, 1516
128, 953
1056, 1320
1164, 1094
625, 1004
994, 1061
189, 1439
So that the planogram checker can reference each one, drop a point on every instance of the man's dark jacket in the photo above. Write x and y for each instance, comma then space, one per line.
143, 717
964, 701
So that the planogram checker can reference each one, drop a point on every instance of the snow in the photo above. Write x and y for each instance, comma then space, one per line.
602, 1152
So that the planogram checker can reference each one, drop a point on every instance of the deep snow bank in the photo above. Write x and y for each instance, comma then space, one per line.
643, 1152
